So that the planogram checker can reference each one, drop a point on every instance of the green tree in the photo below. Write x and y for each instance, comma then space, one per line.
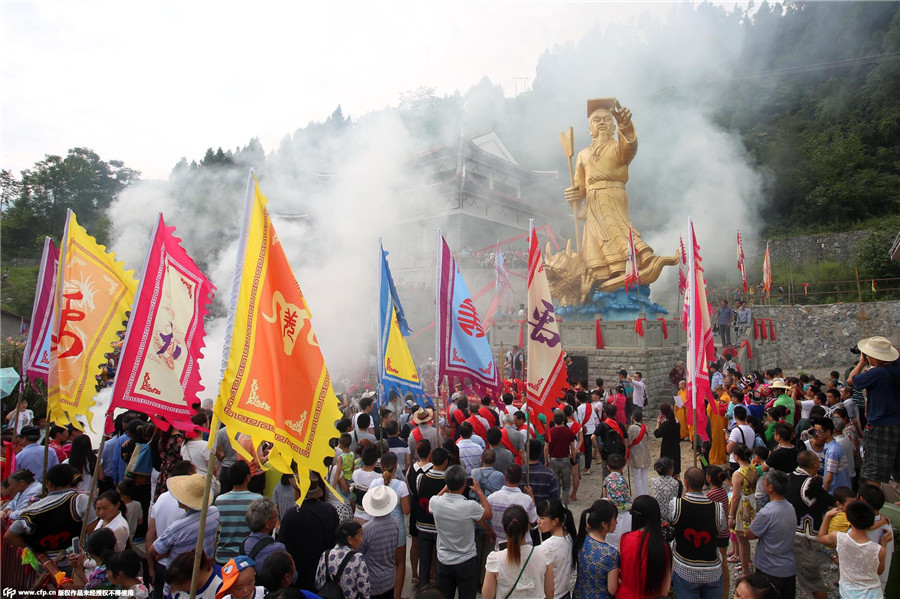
37, 204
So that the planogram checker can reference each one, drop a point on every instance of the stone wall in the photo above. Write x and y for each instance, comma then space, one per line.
840, 247
821, 336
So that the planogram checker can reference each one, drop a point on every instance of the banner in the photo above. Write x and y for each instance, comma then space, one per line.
396, 368
275, 387
740, 262
461, 342
93, 296
36, 357
632, 276
701, 348
158, 366
546, 372
767, 271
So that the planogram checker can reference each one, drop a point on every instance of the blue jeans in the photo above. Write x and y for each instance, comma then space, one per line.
691, 590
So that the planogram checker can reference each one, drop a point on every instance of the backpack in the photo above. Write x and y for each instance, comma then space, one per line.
260, 545
332, 587
613, 442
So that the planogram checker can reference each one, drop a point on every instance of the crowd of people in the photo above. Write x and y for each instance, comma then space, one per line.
481, 496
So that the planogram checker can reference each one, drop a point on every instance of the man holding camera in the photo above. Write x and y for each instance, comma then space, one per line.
882, 384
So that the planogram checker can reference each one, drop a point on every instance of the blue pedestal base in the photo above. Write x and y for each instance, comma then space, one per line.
614, 305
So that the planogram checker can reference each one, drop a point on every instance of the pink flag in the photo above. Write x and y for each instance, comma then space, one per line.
462, 345
740, 261
36, 358
700, 339
632, 276
546, 372
158, 368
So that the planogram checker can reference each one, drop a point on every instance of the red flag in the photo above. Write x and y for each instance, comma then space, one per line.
158, 369
740, 261
767, 271
632, 276
682, 277
700, 339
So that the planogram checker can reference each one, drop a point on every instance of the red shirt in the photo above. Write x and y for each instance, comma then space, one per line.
560, 438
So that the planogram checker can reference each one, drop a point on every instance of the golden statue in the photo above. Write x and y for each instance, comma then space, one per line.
599, 200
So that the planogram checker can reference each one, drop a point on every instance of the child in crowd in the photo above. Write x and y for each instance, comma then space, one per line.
760, 455
123, 569
716, 477
842, 496
615, 489
133, 513
597, 561
862, 560
874, 497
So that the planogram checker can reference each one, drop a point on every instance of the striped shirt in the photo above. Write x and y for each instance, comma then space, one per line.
503, 499
181, 536
469, 454
232, 513
379, 546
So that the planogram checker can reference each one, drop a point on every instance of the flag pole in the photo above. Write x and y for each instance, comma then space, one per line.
46, 452
204, 509
93, 488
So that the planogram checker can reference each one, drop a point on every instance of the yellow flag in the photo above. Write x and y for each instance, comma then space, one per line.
93, 294
275, 387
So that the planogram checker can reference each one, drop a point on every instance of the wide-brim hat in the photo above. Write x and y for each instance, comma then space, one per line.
778, 384
379, 501
189, 489
315, 486
367, 395
879, 348
423, 415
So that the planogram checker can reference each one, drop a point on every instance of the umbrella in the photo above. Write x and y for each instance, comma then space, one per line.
9, 378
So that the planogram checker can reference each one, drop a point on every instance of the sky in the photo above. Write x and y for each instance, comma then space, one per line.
151, 82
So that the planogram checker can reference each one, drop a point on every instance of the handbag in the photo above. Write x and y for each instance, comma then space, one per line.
519, 577
331, 589
141, 462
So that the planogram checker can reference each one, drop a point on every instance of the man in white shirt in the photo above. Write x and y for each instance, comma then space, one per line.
454, 516
640, 389
469, 450
586, 416
742, 433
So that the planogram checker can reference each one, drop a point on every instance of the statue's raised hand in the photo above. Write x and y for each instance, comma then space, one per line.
622, 115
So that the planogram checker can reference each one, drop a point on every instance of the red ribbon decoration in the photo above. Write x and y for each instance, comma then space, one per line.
639, 326
746, 343
599, 332
521, 333
755, 330
771, 330
665, 327
762, 328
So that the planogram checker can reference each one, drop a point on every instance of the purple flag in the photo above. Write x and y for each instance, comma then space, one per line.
36, 358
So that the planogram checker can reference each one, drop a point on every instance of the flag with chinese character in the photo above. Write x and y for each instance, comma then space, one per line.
158, 372
396, 368
632, 276
546, 373
701, 348
740, 261
36, 357
767, 271
461, 342
93, 294
275, 386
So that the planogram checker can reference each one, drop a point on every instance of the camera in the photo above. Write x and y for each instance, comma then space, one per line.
855, 350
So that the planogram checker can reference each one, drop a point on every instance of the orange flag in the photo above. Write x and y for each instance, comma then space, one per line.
275, 387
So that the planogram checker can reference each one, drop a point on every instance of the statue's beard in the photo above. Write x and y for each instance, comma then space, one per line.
599, 143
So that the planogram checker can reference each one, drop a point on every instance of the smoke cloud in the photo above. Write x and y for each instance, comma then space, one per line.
335, 187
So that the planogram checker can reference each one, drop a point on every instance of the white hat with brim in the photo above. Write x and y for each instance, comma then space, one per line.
189, 490
778, 384
879, 348
379, 501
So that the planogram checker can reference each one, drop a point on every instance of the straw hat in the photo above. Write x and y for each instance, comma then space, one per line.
189, 490
879, 348
778, 384
379, 501
423, 415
